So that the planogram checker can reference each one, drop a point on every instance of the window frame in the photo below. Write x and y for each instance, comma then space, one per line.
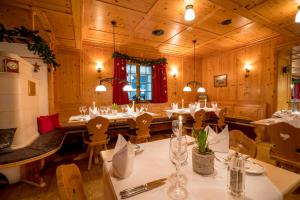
138, 81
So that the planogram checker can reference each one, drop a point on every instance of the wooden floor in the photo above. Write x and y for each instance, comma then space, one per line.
92, 182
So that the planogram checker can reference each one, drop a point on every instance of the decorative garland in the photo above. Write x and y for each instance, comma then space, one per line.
141, 61
34, 42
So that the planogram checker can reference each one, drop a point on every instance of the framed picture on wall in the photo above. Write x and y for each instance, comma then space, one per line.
220, 80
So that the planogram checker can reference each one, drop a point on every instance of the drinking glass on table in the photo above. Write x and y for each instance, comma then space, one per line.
146, 107
178, 155
80, 110
84, 109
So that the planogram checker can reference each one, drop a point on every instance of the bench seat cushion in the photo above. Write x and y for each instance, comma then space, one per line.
43, 144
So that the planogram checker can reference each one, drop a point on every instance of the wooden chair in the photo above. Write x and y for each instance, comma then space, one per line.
69, 182
220, 124
239, 142
97, 128
143, 123
286, 144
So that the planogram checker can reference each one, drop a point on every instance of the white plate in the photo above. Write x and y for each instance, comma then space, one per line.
254, 168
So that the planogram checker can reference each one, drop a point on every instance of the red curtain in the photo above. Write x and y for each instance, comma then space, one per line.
119, 96
297, 91
159, 83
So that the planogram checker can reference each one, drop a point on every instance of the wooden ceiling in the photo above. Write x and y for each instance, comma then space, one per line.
89, 21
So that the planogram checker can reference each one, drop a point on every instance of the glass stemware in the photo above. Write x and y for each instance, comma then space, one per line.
175, 127
84, 109
80, 110
178, 155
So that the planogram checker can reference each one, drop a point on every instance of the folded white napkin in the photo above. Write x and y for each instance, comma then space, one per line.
169, 114
93, 112
218, 142
193, 108
123, 158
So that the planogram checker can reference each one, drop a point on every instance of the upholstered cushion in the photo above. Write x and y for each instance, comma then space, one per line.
55, 120
6, 138
44, 124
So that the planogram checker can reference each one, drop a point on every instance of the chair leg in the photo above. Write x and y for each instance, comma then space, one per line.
91, 158
105, 146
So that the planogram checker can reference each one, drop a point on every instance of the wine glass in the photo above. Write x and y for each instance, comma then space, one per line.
84, 109
175, 127
80, 110
178, 155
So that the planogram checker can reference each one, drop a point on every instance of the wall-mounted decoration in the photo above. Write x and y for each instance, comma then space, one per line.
31, 88
36, 67
34, 42
220, 80
11, 65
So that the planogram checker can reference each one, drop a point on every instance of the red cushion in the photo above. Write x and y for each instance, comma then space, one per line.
44, 124
55, 120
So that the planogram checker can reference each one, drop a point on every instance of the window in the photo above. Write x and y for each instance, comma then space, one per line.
140, 78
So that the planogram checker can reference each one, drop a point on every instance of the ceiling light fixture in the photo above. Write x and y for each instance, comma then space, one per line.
101, 88
297, 18
194, 83
189, 13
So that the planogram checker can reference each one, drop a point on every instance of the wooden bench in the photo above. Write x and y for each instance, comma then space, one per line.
32, 158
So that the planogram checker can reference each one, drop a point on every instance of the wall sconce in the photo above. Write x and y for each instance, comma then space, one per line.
247, 68
174, 72
99, 67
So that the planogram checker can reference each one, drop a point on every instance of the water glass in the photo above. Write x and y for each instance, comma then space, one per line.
178, 155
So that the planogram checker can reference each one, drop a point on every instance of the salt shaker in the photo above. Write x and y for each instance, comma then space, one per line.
236, 176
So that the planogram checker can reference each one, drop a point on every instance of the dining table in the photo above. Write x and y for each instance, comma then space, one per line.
153, 163
286, 116
110, 117
184, 111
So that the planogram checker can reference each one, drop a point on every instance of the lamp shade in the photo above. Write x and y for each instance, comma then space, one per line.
297, 18
201, 90
127, 88
189, 13
101, 88
187, 89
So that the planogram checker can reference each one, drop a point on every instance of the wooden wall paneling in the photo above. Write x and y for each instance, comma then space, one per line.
283, 79
12, 17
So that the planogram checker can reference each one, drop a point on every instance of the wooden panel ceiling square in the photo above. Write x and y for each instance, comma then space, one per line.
54, 5
145, 42
174, 10
105, 38
172, 49
170, 29
223, 44
213, 23
249, 4
186, 37
101, 14
251, 33
138, 5
278, 12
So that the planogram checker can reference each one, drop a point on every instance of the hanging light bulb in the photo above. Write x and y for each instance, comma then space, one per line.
127, 88
201, 90
297, 18
189, 13
101, 88
187, 89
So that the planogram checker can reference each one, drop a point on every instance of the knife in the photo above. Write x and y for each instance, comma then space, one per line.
142, 188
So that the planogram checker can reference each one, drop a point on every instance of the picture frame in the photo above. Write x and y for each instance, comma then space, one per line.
11, 65
220, 80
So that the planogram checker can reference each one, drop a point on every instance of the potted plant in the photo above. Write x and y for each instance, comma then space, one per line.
202, 157
114, 108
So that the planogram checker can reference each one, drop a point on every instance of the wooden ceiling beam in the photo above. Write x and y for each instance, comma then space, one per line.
77, 21
228, 4
46, 25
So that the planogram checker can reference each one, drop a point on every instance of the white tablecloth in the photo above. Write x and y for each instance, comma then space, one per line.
154, 164
117, 116
182, 111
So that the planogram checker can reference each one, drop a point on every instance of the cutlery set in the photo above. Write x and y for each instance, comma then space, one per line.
142, 188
